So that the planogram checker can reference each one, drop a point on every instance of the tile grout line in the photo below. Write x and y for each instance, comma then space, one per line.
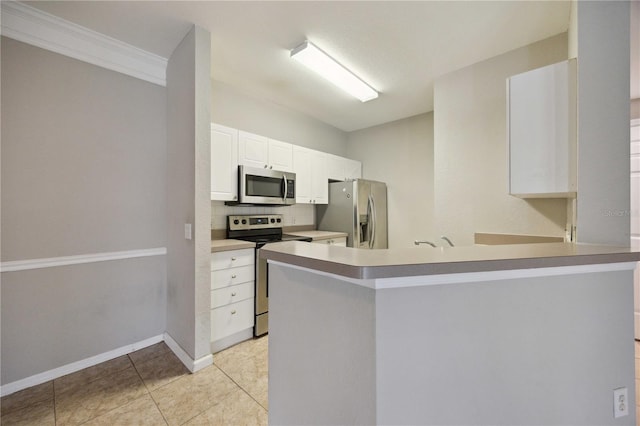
148, 390
243, 389
55, 410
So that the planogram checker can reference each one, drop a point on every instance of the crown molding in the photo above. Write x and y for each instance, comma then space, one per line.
33, 26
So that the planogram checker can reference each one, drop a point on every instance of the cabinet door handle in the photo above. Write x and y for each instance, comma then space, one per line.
233, 312
233, 294
271, 167
265, 166
233, 276
233, 259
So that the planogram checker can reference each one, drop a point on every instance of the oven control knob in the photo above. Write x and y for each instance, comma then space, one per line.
279, 220
244, 221
236, 221
273, 220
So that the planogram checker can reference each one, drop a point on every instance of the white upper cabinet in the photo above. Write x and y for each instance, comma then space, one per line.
541, 120
302, 169
352, 169
319, 178
340, 168
224, 163
312, 181
262, 152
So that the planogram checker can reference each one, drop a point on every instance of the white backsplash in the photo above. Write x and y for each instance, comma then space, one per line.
299, 214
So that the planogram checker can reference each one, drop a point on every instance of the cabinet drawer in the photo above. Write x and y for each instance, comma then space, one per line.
231, 259
232, 276
232, 294
230, 319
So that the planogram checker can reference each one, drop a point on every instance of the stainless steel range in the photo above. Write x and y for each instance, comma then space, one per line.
260, 229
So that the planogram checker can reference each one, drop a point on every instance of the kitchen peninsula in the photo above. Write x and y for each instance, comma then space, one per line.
518, 334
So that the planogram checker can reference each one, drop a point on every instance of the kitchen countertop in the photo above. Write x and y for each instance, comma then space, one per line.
406, 262
226, 245
318, 235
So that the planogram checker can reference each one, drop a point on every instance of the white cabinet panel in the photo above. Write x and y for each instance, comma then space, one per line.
352, 169
340, 168
229, 319
302, 169
224, 163
312, 182
231, 259
232, 276
232, 294
262, 152
280, 156
335, 167
542, 131
253, 150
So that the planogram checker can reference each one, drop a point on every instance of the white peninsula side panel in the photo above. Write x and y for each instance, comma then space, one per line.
504, 348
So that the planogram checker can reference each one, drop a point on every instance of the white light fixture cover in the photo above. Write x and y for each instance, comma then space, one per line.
315, 59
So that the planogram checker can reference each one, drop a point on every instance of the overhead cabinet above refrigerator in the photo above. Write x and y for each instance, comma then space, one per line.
541, 129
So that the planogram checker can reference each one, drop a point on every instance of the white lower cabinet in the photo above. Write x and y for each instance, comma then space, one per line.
231, 294
340, 241
232, 297
230, 319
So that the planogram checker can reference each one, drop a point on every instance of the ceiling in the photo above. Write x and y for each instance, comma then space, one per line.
399, 48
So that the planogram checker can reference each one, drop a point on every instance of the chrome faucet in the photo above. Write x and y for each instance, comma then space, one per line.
447, 240
416, 242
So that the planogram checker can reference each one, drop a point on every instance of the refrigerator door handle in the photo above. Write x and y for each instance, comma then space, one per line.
372, 240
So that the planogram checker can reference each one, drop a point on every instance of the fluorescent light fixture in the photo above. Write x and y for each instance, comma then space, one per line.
315, 59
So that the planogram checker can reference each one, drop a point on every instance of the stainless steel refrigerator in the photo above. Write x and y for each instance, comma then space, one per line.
359, 208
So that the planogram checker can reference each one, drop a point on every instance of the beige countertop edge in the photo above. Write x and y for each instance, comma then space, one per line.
227, 245
373, 264
319, 235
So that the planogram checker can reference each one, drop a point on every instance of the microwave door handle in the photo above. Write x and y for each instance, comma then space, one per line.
284, 196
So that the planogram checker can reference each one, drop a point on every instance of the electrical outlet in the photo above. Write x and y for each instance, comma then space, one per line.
620, 403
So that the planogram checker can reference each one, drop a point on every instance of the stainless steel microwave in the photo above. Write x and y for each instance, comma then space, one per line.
265, 186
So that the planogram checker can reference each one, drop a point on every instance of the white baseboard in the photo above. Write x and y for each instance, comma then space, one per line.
191, 364
45, 376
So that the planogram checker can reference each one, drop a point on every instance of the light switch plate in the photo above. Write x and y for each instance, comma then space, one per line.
187, 231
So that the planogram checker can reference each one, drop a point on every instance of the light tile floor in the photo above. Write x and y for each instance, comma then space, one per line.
151, 387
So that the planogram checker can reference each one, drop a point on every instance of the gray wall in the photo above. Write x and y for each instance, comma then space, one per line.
471, 155
603, 123
232, 107
400, 153
83, 171
188, 194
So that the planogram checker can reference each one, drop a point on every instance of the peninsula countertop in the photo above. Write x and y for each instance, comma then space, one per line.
406, 262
